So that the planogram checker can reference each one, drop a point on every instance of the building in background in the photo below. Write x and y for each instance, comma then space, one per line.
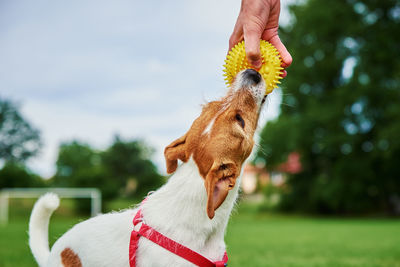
257, 176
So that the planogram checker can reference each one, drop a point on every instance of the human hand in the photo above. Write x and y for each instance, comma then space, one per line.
258, 19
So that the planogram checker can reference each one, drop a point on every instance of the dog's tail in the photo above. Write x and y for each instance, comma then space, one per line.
39, 226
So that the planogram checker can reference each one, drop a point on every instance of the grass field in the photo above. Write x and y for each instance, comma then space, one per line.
255, 239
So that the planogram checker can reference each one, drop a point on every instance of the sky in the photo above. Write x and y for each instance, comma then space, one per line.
88, 70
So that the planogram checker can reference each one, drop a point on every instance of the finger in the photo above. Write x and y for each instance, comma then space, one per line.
285, 55
252, 47
235, 39
237, 35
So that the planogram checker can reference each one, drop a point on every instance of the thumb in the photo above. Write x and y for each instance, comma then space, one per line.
252, 47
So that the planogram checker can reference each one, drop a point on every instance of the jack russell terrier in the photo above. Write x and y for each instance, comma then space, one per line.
183, 223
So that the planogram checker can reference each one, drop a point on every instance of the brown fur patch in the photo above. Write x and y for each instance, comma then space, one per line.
70, 259
219, 153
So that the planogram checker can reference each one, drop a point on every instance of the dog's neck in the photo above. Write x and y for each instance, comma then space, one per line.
178, 210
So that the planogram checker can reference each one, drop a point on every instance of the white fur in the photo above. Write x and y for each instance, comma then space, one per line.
207, 130
178, 210
39, 225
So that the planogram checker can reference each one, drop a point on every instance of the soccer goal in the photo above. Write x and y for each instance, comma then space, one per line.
5, 194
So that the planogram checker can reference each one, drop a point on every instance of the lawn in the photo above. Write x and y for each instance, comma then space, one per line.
256, 239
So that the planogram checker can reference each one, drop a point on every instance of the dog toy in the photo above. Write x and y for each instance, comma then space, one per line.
270, 70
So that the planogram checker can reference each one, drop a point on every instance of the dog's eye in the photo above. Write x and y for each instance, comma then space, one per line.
239, 119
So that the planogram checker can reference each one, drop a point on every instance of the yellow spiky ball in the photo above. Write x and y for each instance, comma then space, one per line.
271, 69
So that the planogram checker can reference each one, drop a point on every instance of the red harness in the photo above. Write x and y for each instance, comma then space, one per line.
167, 243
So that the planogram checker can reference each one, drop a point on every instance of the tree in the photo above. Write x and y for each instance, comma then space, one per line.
340, 108
18, 139
79, 165
130, 161
15, 174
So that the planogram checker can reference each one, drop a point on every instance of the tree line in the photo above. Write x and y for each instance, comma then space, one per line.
123, 169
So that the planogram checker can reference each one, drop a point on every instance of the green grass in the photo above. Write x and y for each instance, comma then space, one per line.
257, 240
272, 240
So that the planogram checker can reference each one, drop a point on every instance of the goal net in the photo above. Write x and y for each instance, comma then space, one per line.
5, 194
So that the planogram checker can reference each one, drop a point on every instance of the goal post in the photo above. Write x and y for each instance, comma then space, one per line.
6, 193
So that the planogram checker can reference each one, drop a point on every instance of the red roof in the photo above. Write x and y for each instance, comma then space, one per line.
292, 165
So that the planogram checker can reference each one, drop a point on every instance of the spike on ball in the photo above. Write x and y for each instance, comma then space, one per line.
270, 70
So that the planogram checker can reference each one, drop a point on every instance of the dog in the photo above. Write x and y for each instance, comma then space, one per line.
192, 208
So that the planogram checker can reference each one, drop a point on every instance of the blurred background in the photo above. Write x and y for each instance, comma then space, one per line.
92, 91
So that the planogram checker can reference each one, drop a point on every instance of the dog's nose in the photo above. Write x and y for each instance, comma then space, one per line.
252, 75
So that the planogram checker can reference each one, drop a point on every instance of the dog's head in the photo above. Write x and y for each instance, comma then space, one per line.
221, 138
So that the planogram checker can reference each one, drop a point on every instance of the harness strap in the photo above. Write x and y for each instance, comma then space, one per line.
168, 244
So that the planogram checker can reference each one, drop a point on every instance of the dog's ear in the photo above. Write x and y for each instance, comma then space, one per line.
174, 151
219, 180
